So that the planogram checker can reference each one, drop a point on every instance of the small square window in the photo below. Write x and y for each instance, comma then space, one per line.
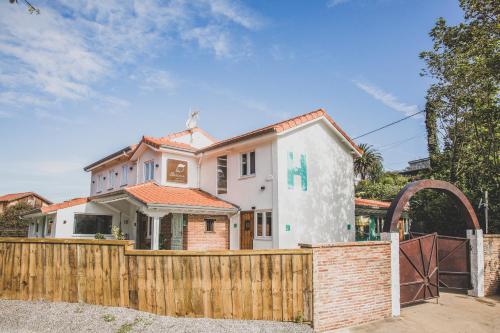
209, 225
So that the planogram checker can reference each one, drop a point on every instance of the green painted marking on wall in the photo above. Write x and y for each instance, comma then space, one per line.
287, 227
300, 171
235, 225
348, 227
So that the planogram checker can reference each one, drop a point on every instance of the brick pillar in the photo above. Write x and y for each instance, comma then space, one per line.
393, 237
476, 262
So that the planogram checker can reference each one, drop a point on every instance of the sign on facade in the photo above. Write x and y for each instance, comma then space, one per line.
297, 169
177, 171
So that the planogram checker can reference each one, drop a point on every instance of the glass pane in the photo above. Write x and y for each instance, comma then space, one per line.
92, 224
252, 163
259, 224
244, 164
269, 222
222, 174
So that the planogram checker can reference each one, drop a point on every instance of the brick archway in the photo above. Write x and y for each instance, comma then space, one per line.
403, 197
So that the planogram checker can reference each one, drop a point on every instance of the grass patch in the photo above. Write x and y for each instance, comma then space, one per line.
108, 318
127, 327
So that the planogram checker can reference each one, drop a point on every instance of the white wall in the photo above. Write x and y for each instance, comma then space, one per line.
131, 177
242, 191
148, 155
197, 139
192, 163
65, 218
323, 212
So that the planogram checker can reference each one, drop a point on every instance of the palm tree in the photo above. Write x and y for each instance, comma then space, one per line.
370, 162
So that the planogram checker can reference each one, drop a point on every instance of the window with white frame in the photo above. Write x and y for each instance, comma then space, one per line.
247, 163
222, 174
111, 179
264, 224
99, 183
124, 180
149, 170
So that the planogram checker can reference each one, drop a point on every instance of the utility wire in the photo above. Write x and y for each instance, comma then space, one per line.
390, 124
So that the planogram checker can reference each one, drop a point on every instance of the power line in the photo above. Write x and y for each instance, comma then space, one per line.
390, 124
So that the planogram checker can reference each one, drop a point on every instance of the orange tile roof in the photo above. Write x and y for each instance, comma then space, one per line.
152, 193
186, 132
372, 203
64, 204
283, 126
157, 142
16, 196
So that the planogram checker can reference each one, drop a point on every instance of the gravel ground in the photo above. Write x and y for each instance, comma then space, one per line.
26, 316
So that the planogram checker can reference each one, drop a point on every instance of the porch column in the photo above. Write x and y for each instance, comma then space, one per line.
476, 262
393, 237
155, 233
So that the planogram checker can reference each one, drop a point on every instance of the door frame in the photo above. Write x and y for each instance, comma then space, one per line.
242, 228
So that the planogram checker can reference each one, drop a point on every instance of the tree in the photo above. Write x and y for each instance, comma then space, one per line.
385, 187
11, 216
462, 108
369, 165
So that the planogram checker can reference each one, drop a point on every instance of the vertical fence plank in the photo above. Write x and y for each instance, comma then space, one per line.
141, 283
133, 293
2, 268
73, 272
236, 286
90, 276
106, 275
298, 303
267, 291
196, 286
256, 287
31, 271
160, 286
169, 290
115, 276
150, 284
206, 286
123, 274
307, 289
81, 272
223, 272
49, 272
16, 271
277, 288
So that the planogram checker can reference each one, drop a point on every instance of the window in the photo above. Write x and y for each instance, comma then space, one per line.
99, 183
111, 179
264, 221
149, 227
149, 170
248, 164
209, 225
124, 175
92, 224
222, 174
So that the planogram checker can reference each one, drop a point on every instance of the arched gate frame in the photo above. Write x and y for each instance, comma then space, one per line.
424, 272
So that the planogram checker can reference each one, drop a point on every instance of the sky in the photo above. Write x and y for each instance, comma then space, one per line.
86, 78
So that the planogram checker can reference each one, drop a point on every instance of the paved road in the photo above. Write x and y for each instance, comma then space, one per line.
454, 313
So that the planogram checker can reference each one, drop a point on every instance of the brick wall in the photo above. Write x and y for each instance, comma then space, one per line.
491, 264
352, 284
196, 238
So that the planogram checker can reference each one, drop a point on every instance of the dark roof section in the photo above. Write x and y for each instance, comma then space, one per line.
104, 159
17, 196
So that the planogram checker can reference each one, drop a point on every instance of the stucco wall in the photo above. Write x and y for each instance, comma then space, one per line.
131, 177
192, 176
197, 139
63, 226
148, 155
323, 212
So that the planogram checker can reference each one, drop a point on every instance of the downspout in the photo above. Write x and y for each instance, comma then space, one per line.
198, 185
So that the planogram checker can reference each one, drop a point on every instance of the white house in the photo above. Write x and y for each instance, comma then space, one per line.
274, 187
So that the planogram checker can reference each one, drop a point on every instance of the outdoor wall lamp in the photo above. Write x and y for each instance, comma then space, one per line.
131, 168
262, 188
157, 165
116, 173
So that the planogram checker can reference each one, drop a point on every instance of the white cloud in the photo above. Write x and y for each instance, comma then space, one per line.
334, 3
5, 114
151, 80
63, 53
387, 99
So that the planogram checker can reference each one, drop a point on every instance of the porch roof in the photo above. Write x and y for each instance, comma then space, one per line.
154, 195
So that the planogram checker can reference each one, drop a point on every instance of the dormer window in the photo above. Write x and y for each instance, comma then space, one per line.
248, 164
149, 170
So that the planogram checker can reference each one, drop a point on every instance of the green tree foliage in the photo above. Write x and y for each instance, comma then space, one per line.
369, 165
385, 187
11, 217
462, 109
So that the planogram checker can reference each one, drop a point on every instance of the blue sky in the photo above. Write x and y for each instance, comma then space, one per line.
85, 78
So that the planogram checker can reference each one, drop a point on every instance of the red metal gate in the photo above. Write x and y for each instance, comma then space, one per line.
418, 267
453, 262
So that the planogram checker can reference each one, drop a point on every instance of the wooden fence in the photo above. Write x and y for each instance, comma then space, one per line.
264, 284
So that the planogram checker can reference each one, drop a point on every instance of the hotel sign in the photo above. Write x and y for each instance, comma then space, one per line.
177, 171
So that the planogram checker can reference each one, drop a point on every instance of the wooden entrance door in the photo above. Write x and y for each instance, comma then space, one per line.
246, 231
